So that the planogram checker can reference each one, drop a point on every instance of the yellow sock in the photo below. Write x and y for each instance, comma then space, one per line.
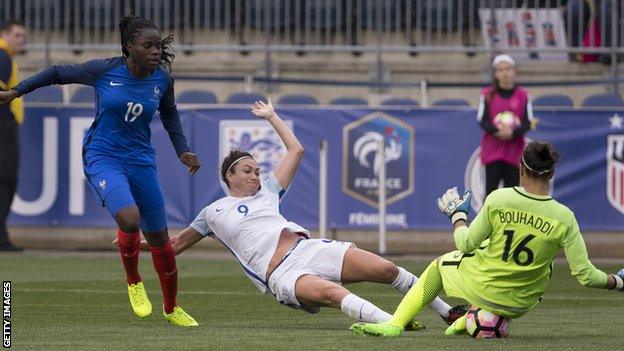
420, 295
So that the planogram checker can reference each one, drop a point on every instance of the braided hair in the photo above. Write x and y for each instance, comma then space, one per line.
131, 26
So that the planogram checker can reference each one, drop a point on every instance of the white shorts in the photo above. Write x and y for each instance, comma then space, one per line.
320, 257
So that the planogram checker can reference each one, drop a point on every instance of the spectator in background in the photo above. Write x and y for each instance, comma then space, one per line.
590, 22
505, 113
12, 40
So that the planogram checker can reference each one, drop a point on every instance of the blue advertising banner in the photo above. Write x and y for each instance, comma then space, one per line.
426, 152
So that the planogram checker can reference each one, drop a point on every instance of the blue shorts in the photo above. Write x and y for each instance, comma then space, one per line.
118, 185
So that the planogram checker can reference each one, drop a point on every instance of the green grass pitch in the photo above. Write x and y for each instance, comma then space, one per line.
79, 302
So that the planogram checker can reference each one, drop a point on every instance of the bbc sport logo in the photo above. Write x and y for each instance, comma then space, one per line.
361, 165
256, 137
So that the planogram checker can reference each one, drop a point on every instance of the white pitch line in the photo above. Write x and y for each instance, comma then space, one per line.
207, 292
94, 291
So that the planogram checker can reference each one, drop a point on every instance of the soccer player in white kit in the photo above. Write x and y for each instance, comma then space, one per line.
277, 255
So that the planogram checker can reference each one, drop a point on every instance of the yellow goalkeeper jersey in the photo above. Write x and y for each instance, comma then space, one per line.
525, 231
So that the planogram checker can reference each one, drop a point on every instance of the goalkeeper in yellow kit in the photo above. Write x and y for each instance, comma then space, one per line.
504, 259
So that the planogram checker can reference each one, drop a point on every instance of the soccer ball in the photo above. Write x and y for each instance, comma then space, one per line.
506, 119
484, 324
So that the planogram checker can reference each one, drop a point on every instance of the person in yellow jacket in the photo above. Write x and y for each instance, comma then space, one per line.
12, 40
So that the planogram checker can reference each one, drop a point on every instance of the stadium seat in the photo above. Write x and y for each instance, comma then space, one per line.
556, 100
245, 98
52, 93
196, 97
83, 94
603, 100
297, 100
349, 101
451, 102
399, 102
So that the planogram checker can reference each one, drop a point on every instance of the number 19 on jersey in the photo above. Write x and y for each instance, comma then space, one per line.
134, 109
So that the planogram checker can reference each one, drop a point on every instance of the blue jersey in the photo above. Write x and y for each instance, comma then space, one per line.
124, 107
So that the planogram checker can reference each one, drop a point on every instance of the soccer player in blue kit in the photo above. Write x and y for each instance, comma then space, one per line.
119, 160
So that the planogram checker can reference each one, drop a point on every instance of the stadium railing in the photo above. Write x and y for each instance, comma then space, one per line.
307, 26
206, 97
310, 25
424, 85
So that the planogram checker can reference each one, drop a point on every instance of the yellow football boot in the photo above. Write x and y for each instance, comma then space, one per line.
139, 301
180, 318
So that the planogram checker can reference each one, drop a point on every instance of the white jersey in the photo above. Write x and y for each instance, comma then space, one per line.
249, 227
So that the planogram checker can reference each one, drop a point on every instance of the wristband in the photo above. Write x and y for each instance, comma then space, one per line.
619, 283
459, 216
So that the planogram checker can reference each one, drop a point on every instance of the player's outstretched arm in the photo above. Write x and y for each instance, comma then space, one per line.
185, 239
580, 266
286, 168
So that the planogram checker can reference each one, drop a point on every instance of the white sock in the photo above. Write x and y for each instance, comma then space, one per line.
404, 282
440, 306
362, 310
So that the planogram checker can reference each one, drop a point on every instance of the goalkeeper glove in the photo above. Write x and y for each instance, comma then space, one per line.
619, 280
454, 206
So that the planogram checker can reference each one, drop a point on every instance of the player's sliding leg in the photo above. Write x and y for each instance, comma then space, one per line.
360, 265
312, 290
164, 262
128, 242
362, 310
421, 294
